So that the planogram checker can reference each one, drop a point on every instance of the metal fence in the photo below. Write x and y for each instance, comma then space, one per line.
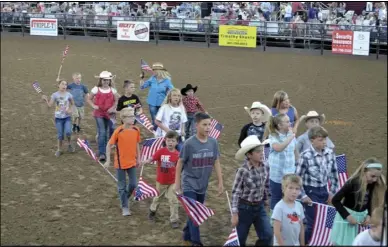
311, 35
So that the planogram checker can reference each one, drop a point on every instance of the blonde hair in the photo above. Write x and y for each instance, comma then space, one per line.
167, 99
127, 111
291, 179
162, 74
278, 98
377, 216
379, 188
274, 122
76, 74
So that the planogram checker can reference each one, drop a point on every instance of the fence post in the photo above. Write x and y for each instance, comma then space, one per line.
64, 26
378, 42
108, 27
156, 30
265, 36
322, 29
181, 39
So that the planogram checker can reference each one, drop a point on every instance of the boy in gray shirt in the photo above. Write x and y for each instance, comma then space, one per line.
197, 158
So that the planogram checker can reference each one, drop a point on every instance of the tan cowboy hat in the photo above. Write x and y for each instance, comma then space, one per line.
264, 108
105, 75
313, 114
158, 66
248, 144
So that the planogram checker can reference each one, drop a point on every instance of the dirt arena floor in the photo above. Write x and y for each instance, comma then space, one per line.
70, 200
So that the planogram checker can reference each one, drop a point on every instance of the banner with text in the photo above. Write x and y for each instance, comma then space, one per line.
237, 36
349, 42
133, 31
43, 27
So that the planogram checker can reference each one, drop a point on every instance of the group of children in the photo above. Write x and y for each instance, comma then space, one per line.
297, 168
300, 168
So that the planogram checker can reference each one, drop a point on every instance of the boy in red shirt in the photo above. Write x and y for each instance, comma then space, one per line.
167, 158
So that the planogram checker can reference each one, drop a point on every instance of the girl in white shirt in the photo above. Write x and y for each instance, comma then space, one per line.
372, 236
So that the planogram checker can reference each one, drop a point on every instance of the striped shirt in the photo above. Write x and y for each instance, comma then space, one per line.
281, 163
316, 169
249, 184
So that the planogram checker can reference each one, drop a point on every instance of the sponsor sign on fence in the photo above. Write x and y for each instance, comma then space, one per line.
237, 36
133, 30
350, 42
43, 27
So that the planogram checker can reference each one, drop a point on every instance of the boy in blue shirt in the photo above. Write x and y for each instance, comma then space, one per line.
79, 92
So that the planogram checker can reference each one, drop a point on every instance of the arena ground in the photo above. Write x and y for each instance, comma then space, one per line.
70, 200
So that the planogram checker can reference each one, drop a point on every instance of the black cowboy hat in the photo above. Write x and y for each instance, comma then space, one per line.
188, 87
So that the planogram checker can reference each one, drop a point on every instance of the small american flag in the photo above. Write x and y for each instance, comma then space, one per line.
233, 239
36, 86
144, 191
196, 211
143, 120
85, 145
65, 51
145, 66
342, 171
150, 146
216, 129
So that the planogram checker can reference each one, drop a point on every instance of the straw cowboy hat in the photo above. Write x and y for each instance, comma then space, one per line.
158, 66
248, 144
187, 88
313, 114
105, 75
264, 108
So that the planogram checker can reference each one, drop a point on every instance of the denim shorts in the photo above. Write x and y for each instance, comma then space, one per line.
63, 126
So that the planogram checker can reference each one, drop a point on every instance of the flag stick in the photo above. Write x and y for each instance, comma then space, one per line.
106, 169
230, 207
60, 69
141, 171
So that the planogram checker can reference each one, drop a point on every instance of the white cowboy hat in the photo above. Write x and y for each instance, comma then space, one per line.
105, 75
313, 114
248, 144
158, 66
264, 108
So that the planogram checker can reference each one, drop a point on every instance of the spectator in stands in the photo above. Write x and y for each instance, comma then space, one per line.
382, 11
266, 8
288, 12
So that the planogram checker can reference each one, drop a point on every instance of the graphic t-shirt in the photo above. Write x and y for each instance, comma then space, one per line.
252, 129
290, 218
78, 92
165, 172
62, 102
198, 162
132, 101
171, 117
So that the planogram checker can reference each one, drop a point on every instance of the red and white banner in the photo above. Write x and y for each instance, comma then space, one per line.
133, 31
349, 42
44, 27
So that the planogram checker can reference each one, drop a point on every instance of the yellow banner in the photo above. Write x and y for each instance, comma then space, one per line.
237, 36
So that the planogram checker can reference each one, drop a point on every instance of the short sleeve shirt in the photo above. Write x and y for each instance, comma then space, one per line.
62, 103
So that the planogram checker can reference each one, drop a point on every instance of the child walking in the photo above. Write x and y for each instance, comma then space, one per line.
80, 95
288, 214
372, 236
167, 158
192, 105
260, 115
129, 99
354, 202
282, 154
311, 120
126, 140
171, 116
63, 108
317, 167
249, 192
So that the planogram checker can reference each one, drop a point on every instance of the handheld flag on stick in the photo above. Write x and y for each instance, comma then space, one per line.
233, 237
36, 86
216, 129
196, 211
144, 66
143, 120
65, 52
150, 146
144, 191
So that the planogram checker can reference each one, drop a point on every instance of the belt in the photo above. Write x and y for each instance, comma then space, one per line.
249, 203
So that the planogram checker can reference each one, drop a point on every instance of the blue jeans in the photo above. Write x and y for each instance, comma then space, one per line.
153, 111
63, 126
276, 193
190, 125
125, 191
256, 215
287, 19
190, 231
103, 126
319, 195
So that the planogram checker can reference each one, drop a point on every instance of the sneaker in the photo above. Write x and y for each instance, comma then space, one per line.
74, 127
174, 225
102, 158
78, 128
151, 216
71, 149
58, 153
126, 212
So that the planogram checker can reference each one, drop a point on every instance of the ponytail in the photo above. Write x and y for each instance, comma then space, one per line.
274, 122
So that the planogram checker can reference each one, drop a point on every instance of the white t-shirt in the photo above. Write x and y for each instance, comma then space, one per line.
95, 90
171, 117
288, 11
365, 239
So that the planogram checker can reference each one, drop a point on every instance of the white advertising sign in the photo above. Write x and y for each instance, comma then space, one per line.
133, 31
43, 27
361, 42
